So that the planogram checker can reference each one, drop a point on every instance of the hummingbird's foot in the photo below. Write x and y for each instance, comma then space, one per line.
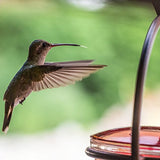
21, 102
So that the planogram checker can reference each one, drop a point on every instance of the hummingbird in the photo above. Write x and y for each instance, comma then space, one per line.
36, 75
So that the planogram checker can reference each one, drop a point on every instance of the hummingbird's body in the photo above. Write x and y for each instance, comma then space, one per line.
19, 88
36, 75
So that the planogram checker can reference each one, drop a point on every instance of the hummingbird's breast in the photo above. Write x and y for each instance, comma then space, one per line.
19, 88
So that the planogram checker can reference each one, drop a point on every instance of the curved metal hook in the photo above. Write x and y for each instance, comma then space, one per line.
143, 65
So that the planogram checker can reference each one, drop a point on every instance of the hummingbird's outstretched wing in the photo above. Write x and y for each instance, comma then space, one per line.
53, 75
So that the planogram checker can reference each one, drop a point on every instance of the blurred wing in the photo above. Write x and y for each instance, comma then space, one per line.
53, 75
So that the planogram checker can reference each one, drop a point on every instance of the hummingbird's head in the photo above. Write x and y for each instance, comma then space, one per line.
39, 49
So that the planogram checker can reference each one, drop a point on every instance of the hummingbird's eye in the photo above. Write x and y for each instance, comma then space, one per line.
44, 45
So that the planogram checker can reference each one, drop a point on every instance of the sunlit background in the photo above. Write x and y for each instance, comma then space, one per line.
57, 123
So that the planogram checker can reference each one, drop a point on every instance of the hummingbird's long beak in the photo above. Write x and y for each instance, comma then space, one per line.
63, 44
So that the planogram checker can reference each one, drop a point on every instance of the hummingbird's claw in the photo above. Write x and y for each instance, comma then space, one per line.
21, 102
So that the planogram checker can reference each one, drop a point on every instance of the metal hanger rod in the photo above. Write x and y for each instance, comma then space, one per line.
143, 65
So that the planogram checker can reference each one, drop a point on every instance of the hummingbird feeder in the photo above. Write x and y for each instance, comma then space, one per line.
136, 142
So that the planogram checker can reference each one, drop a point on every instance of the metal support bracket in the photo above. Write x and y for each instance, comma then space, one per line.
143, 65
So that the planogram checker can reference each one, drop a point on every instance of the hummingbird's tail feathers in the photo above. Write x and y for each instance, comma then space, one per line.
72, 63
64, 76
7, 117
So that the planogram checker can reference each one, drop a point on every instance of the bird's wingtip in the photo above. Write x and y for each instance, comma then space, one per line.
101, 66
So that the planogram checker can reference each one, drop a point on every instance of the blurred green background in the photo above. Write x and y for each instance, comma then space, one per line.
114, 36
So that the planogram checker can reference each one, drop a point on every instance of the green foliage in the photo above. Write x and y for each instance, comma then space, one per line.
114, 36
